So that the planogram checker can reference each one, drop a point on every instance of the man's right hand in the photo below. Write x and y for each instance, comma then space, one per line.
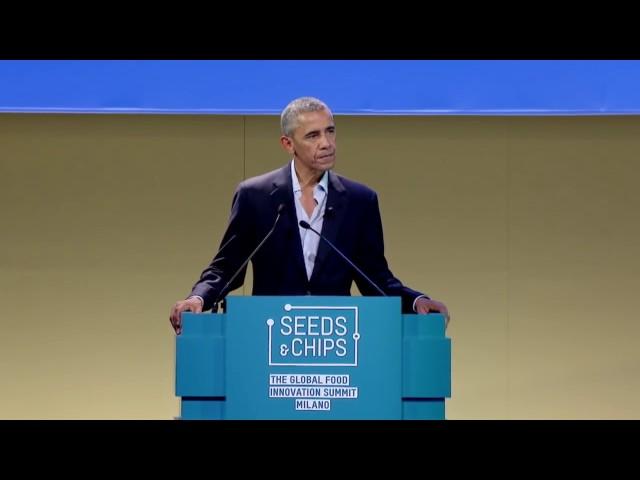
191, 304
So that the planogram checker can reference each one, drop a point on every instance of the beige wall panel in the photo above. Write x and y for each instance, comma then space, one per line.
574, 349
107, 221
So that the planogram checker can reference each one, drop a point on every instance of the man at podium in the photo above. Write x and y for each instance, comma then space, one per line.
307, 230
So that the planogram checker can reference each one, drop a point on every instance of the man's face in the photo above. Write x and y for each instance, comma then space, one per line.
313, 142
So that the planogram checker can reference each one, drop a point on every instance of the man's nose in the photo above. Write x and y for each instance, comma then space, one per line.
324, 142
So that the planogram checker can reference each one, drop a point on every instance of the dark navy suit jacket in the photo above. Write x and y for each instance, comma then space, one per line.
352, 223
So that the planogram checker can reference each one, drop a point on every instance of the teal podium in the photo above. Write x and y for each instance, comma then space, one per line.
313, 358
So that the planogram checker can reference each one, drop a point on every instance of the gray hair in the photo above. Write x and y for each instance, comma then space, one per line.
289, 117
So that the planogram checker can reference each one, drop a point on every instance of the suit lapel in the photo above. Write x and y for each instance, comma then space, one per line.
283, 193
335, 212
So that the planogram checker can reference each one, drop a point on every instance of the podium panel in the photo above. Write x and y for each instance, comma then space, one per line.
313, 358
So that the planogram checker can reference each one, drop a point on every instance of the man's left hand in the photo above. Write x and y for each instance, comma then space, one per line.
426, 305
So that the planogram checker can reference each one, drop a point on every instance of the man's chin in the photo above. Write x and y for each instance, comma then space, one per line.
325, 165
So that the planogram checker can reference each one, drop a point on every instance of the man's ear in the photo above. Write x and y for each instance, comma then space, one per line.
287, 144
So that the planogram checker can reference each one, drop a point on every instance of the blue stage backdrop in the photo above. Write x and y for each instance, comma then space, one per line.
379, 87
